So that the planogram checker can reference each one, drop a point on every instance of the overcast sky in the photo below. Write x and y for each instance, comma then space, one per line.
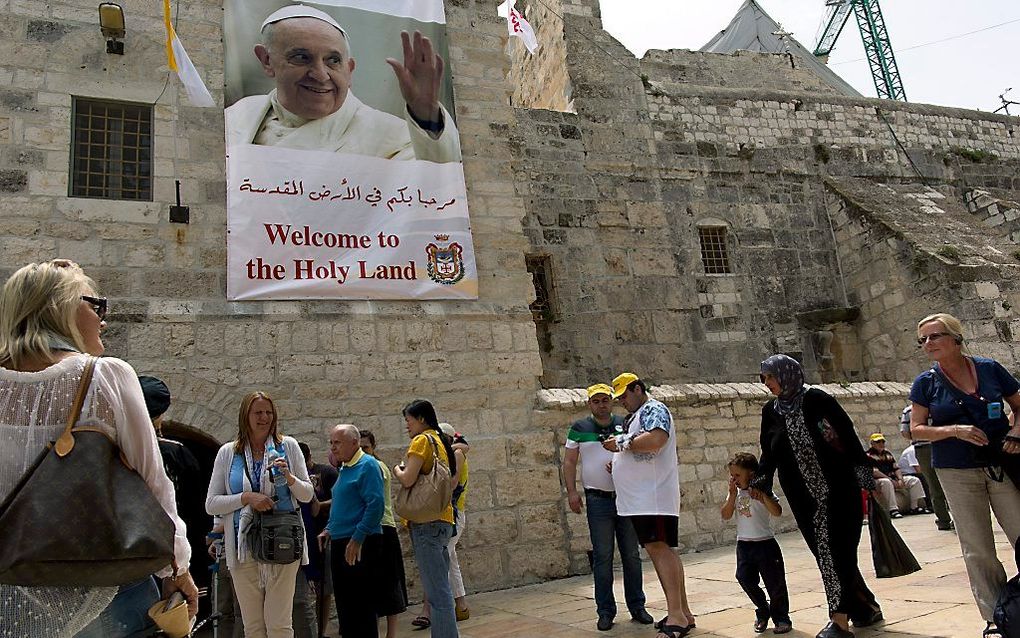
967, 72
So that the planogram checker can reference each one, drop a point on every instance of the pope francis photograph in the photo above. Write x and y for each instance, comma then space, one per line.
307, 54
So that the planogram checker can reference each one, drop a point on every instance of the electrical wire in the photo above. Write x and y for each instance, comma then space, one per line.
928, 44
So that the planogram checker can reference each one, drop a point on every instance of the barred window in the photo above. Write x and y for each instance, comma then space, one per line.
112, 152
714, 254
541, 275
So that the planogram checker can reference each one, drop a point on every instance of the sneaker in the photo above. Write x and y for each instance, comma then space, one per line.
605, 623
895, 514
782, 628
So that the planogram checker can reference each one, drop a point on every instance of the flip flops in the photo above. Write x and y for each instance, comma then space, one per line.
421, 622
674, 631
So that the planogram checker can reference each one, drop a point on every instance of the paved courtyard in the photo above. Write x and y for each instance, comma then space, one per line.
935, 601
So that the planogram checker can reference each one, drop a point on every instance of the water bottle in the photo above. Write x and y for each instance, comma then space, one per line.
280, 487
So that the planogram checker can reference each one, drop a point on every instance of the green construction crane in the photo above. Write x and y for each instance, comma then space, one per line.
879, 51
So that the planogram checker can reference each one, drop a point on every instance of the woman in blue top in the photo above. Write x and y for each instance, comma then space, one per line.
971, 440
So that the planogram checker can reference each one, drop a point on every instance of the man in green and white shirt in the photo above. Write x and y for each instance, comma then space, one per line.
584, 442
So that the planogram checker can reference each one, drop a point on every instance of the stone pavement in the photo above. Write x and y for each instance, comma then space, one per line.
933, 602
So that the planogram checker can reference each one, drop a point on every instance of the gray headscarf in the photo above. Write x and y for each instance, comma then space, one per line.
790, 375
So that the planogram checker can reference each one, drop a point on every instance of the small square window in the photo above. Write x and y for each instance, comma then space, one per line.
110, 159
714, 254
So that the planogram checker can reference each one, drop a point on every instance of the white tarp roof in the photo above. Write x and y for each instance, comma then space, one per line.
753, 30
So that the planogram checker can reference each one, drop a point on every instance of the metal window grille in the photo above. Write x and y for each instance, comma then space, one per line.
713, 250
539, 267
112, 151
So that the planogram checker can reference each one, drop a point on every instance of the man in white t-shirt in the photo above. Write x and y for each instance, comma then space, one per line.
646, 476
584, 442
908, 461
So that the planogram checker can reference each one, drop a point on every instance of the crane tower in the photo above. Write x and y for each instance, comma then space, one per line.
884, 71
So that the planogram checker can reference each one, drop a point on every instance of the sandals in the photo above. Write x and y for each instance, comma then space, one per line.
421, 622
662, 621
991, 630
674, 631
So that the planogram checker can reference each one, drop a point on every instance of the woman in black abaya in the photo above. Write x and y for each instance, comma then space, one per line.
808, 438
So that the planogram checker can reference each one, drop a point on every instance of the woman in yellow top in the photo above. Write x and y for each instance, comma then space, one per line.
430, 539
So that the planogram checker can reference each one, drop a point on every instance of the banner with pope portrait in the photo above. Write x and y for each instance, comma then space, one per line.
344, 173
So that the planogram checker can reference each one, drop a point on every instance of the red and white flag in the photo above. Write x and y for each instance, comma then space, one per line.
517, 25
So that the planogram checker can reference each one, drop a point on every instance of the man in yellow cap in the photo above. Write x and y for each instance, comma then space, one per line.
584, 441
889, 480
646, 476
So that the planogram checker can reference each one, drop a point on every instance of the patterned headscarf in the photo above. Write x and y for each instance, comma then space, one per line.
790, 375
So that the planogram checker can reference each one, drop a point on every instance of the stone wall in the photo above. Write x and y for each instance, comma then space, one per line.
540, 80
616, 195
714, 421
898, 277
323, 361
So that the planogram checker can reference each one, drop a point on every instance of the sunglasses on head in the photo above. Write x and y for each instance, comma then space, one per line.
99, 305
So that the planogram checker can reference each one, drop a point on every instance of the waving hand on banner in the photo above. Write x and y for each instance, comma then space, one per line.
419, 77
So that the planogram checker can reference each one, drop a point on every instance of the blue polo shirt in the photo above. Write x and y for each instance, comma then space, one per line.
950, 406
358, 500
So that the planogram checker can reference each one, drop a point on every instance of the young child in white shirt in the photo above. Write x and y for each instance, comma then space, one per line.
758, 553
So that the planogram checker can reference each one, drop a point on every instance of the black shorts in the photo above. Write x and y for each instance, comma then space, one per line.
657, 528
392, 598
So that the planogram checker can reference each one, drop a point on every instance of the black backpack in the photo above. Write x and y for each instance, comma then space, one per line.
1007, 607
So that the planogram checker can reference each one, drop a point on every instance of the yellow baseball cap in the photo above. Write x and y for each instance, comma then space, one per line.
621, 382
599, 388
877, 436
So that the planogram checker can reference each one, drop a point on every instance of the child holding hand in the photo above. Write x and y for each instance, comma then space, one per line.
758, 553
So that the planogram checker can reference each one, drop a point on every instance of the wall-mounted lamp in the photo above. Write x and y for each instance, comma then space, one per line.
111, 23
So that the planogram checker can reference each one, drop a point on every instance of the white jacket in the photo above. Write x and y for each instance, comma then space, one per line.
220, 501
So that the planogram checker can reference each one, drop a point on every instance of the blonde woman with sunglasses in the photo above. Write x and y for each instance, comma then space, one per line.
975, 447
51, 320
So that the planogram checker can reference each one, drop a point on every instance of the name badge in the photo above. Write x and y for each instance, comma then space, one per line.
995, 410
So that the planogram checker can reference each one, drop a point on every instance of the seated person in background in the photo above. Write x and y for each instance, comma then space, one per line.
889, 480
909, 466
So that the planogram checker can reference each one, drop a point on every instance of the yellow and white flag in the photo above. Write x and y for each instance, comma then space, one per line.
178, 60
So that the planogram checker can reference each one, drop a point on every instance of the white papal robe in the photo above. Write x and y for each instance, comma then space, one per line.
356, 128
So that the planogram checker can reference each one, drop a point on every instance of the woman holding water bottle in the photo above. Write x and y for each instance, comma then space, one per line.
260, 471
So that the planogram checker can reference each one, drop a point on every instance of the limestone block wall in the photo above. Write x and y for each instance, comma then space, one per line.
898, 274
323, 361
742, 69
770, 118
541, 80
714, 421
615, 195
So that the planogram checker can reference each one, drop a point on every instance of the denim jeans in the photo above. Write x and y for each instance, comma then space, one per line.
603, 526
429, 541
127, 615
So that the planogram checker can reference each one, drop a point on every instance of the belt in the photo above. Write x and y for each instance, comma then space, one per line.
589, 491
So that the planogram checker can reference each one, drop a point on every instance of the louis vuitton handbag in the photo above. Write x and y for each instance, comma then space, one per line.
429, 496
80, 515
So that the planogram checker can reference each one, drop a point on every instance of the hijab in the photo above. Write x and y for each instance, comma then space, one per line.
790, 375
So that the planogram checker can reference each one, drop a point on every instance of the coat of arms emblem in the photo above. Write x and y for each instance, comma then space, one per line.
445, 263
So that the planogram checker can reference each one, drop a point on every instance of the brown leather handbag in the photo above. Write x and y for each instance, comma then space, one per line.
80, 515
430, 494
